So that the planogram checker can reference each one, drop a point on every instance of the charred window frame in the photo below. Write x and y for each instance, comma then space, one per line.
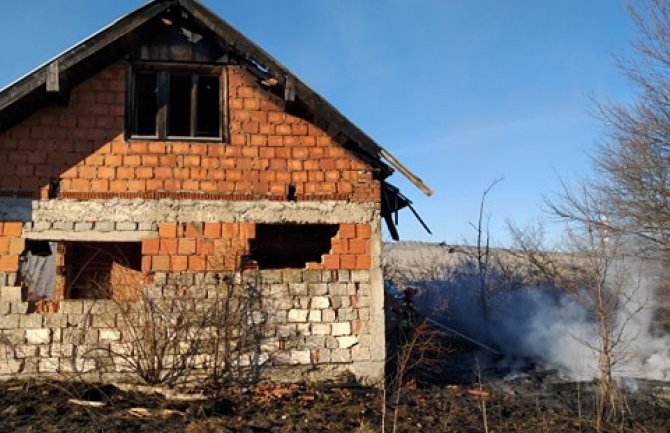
185, 102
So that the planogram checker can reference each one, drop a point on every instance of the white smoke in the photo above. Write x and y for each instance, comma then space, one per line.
545, 327
549, 328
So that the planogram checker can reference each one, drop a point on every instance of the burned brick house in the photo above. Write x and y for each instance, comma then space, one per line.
165, 152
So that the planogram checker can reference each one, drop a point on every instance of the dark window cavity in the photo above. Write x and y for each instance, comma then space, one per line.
279, 246
176, 104
208, 116
102, 270
146, 104
179, 106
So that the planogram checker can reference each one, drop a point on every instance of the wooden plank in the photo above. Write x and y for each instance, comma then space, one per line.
289, 89
53, 77
161, 116
223, 90
194, 104
129, 120
405, 171
393, 231
196, 68
53, 83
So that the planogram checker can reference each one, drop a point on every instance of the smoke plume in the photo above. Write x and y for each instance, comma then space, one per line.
547, 328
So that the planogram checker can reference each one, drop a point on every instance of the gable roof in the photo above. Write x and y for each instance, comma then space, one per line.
51, 81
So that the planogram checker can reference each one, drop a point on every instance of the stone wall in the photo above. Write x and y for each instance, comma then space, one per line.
310, 325
319, 322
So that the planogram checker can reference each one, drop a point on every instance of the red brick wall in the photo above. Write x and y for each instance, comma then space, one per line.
197, 247
221, 247
84, 145
11, 245
350, 249
209, 246
214, 246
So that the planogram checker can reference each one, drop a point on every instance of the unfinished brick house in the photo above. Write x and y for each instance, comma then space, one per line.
167, 156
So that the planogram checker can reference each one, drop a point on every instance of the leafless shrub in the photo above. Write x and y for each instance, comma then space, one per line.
238, 322
208, 330
414, 344
162, 338
481, 395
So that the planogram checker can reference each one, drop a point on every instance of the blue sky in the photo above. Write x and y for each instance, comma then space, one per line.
461, 91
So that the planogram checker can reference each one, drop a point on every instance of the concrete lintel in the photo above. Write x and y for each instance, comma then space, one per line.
262, 211
90, 236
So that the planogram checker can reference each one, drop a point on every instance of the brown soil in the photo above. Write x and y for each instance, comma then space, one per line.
531, 404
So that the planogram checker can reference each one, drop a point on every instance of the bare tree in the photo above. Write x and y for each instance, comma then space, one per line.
483, 249
633, 160
594, 270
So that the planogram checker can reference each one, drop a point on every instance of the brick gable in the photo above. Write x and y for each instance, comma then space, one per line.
83, 144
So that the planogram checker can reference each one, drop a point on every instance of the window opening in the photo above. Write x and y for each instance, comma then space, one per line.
54, 188
176, 104
279, 246
102, 270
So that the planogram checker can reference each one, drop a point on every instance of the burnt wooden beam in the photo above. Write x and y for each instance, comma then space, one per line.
289, 89
53, 77
54, 84
405, 171
418, 217
393, 201
393, 231
390, 225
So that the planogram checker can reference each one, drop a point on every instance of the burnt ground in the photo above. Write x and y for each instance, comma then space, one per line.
532, 403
